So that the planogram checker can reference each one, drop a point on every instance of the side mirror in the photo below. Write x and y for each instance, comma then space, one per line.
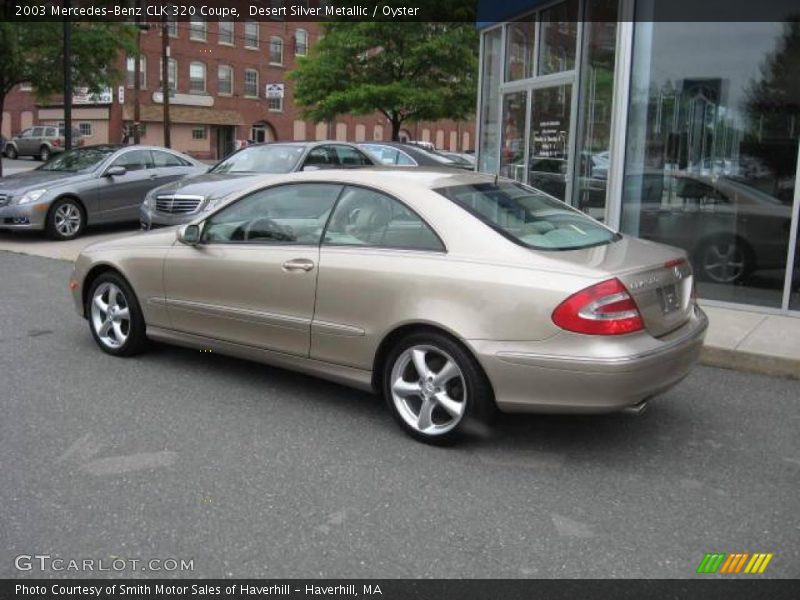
116, 171
189, 234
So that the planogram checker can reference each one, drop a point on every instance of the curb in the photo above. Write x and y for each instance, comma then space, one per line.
724, 358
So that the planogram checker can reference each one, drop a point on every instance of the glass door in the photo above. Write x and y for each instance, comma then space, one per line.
512, 147
549, 139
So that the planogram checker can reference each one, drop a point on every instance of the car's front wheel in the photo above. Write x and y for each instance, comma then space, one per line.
11, 152
66, 219
435, 388
115, 317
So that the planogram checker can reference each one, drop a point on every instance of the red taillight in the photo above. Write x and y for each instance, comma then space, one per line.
605, 308
56, 142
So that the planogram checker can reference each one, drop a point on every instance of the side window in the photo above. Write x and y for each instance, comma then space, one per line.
405, 160
365, 217
26, 134
350, 157
135, 160
287, 214
50, 132
165, 159
37, 132
322, 157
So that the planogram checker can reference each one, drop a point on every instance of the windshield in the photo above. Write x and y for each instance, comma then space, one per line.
272, 158
78, 160
528, 216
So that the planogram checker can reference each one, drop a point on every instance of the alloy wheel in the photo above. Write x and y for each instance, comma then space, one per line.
67, 219
111, 318
428, 390
724, 262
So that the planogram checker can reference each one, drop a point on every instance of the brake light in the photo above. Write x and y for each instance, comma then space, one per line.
605, 308
674, 263
56, 142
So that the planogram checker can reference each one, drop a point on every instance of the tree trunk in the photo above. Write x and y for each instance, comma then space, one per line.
396, 123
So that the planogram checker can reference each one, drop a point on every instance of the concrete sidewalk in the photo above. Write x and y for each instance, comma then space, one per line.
751, 341
737, 339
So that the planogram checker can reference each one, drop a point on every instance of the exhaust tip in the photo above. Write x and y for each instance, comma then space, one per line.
636, 409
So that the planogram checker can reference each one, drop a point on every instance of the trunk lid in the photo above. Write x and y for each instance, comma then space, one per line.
659, 278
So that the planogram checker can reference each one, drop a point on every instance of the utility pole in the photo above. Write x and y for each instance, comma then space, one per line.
165, 76
137, 77
67, 79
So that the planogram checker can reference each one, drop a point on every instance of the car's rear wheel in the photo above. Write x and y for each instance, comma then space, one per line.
435, 388
115, 317
11, 152
44, 153
66, 219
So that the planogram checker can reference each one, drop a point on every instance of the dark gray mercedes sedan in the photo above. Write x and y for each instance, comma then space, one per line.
91, 185
182, 201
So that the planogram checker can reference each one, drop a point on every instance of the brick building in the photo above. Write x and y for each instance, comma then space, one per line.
219, 76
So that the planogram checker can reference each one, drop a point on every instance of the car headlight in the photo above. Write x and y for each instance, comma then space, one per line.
31, 196
150, 200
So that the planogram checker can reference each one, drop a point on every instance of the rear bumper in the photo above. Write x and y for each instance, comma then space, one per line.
572, 373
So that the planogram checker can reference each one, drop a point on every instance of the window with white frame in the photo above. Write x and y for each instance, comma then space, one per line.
131, 64
300, 42
251, 34
172, 26
86, 129
197, 77
198, 30
172, 74
27, 86
225, 80
275, 50
199, 133
225, 35
251, 83
275, 104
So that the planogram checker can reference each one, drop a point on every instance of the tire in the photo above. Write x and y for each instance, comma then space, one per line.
44, 153
11, 153
435, 411
725, 260
66, 220
115, 318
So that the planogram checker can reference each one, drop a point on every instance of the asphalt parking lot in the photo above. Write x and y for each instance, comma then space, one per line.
255, 471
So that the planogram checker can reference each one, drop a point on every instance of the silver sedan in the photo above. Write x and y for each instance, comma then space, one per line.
88, 186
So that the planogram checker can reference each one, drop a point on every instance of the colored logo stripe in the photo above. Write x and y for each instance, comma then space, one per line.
720, 562
711, 562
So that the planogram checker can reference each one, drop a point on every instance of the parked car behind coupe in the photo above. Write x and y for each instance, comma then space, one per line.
41, 142
450, 292
91, 185
183, 201
398, 154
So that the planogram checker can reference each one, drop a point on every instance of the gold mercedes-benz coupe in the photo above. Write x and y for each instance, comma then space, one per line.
452, 293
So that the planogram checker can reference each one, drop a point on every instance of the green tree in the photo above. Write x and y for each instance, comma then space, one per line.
33, 52
408, 71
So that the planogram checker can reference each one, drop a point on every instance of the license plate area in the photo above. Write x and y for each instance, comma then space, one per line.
669, 299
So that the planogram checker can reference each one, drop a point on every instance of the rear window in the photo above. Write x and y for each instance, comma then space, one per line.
529, 217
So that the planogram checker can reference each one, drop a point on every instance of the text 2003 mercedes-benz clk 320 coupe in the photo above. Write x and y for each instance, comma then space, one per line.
451, 293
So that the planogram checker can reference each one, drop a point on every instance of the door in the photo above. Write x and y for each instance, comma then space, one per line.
119, 196
252, 278
549, 139
376, 255
29, 144
168, 167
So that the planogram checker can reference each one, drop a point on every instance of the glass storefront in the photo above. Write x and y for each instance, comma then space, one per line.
706, 116
712, 151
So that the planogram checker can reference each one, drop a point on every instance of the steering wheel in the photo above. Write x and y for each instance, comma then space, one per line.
279, 232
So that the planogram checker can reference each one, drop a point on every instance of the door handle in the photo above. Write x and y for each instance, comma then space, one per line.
298, 264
